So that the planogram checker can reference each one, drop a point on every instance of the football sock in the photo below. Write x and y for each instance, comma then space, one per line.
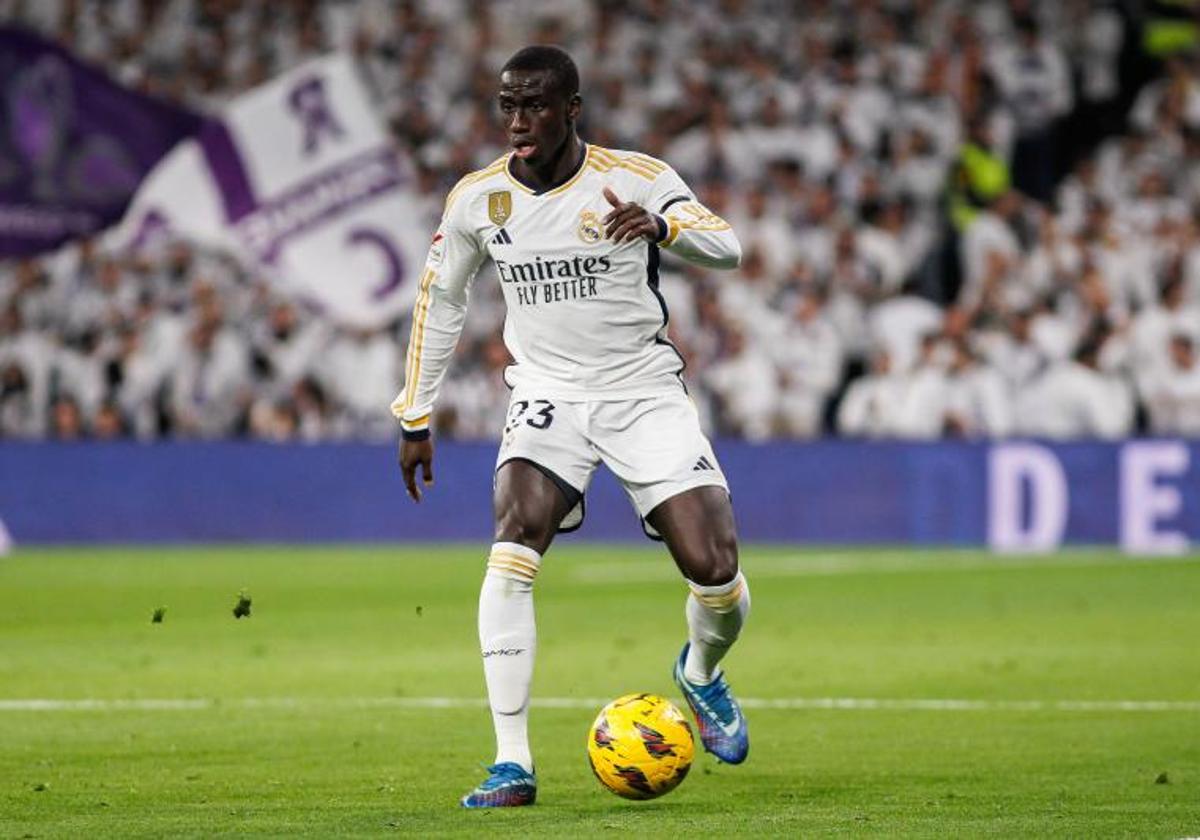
508, 640
715, 615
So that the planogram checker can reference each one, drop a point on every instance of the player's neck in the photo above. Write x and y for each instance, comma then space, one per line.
556, 171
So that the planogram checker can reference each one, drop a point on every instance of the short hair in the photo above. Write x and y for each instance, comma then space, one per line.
551, 59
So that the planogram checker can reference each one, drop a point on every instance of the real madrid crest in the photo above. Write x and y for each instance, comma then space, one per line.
589, 229
499, 206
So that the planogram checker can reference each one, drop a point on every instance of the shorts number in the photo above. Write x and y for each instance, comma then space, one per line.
541, 419
546, 413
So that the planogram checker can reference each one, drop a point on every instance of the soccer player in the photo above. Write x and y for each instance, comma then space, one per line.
575, 232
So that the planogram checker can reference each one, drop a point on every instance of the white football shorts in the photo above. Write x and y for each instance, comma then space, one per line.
653, 445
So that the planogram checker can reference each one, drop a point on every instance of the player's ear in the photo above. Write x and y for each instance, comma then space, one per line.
574, 107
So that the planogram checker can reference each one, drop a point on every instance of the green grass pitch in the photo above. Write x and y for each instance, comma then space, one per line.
308, 717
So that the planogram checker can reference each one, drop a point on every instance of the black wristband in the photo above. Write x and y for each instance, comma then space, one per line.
415, 435
663, 229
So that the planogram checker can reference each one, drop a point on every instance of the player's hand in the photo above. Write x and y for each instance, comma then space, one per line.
628, 221
412, 453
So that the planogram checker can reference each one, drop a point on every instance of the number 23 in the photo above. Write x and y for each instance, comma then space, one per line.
541, 419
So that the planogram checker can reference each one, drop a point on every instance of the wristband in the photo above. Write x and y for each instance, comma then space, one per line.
663, 228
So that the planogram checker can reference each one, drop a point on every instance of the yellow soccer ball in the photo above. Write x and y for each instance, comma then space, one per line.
640, 746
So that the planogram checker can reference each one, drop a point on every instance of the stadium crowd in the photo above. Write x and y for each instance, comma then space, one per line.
958, 219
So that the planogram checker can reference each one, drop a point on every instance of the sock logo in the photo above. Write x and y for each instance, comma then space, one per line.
503, 652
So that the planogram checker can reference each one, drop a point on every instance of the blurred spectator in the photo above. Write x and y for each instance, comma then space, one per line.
109, 424
924, 392
744, 385
208, 387
1073, 398
873, 402
1173, 397
977, 400
1034, 81
360, 369
808, 356
66, 420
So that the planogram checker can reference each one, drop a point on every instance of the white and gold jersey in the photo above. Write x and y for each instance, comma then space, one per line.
585, 319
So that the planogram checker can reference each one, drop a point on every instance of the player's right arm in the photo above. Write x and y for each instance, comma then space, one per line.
439, 311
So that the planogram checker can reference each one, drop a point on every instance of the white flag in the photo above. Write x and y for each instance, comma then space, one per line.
298, 178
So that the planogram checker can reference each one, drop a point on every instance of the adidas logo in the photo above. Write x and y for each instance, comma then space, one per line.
502, 238
703, 464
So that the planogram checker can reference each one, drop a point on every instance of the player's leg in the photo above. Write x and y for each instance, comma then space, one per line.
531, 501
529, 507
658, 450
698, 528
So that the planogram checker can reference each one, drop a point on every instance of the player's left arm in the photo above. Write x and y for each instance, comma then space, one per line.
670, 216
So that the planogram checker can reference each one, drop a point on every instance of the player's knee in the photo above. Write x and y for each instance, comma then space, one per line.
515, 525
525, 510
718, 561
522, 532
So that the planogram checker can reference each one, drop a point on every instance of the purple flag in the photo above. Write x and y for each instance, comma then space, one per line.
74, 144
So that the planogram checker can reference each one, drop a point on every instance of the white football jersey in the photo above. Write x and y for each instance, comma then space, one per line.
585, 320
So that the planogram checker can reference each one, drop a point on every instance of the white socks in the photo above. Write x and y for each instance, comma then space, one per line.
508, 640
715, 615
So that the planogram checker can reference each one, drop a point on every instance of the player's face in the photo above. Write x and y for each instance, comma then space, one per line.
538, 118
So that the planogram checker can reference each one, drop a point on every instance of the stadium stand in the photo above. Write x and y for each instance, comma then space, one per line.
959, 219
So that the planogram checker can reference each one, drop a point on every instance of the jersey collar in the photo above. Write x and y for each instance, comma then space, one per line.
554, 190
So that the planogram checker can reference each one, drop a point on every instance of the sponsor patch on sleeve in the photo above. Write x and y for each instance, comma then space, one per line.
437, 250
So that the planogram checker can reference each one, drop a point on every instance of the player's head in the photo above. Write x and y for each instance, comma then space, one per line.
539, 101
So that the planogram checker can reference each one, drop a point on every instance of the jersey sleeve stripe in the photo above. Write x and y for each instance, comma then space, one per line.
642, 165
676, 226
626, 165
630, 163
610, 161
421, 328
641, 162
645, 172
657, 167
409, 385
417, 339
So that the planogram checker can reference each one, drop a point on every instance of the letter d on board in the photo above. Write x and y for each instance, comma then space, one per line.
1012, 468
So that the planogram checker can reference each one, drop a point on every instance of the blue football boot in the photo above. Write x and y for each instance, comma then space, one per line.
723, 730
508, 785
